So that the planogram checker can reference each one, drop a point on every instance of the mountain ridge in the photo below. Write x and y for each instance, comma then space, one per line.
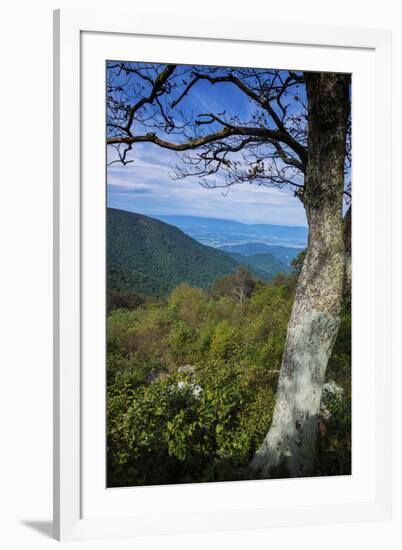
206, 219
150, 257
285, 254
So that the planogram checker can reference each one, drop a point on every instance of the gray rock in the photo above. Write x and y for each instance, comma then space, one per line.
186, 368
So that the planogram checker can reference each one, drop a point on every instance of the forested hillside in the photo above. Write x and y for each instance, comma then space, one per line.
146, 256
150, 257
265, 266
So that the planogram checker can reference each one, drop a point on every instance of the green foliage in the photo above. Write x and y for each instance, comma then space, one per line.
335, 444
183, 427
128, 300
192, 382
239, 286
297, 263
147, 256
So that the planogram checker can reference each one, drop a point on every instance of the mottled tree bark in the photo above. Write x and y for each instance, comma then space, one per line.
290, 445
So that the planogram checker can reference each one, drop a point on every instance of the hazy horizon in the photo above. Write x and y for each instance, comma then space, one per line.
158, 215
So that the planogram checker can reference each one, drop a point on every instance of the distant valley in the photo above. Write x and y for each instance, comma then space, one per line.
284, 254
283, 242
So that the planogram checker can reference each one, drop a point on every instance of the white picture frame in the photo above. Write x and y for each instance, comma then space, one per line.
83, 507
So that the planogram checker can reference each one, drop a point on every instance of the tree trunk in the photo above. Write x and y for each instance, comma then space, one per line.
289, 449
347, 239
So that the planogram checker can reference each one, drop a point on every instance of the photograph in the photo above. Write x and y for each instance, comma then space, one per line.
228, 273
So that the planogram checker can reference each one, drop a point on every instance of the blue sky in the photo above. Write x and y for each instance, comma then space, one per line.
146, 185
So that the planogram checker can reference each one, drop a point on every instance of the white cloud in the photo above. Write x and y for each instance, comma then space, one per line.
146, 186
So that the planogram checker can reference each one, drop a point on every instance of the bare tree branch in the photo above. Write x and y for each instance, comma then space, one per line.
266, 145
156, 88
228, 130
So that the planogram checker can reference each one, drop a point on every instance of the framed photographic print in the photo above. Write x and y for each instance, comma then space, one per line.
219, 363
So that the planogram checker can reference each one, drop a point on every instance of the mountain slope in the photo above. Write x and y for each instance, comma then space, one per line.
150, 257
265, 266
284, 254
